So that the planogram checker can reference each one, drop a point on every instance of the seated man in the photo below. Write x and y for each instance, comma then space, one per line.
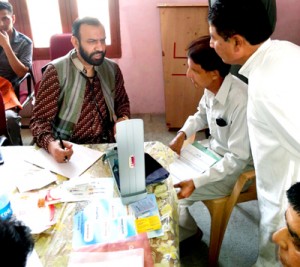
288, 238
16, 241
81, 95
223, 109
15, 61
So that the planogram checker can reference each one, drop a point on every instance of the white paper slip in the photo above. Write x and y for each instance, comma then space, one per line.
82, 158
131, 257
33, 260
27, 208
80, 189
34, 179
194, 159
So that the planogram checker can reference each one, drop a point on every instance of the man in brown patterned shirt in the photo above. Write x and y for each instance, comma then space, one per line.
81, 95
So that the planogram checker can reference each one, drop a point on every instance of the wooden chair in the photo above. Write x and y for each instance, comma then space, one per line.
220, 210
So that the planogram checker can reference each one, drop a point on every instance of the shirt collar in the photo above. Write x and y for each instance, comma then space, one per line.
224, 89
15, 36
254, 59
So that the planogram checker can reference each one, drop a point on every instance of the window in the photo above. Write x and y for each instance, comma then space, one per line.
41, 19
44, 24
100, 10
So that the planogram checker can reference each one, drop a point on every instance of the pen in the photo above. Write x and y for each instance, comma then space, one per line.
62, 145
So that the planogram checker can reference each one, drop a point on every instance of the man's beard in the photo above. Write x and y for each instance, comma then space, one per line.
89, 57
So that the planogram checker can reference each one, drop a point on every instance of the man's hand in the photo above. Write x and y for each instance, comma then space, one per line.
124, 118
4, 39
186, 187
177, 142
59, 154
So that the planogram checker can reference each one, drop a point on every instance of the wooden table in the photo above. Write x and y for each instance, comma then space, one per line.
55, 245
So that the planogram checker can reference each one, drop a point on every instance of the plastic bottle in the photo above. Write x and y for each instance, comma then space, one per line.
5, 208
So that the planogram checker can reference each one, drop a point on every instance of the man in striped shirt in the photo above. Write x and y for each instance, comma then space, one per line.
81, 95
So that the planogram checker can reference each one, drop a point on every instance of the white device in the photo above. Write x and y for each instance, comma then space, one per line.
131, 160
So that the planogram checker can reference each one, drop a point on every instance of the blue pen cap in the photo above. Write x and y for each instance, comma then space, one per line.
5, 208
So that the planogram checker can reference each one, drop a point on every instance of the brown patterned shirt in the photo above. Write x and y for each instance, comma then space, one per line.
93, 122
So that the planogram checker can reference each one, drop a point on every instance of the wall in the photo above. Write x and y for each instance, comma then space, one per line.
288, 21
141, 62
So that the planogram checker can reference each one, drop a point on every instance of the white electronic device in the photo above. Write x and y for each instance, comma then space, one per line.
131, 160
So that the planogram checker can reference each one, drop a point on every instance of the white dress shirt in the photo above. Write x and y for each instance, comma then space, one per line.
273, 72
230, 141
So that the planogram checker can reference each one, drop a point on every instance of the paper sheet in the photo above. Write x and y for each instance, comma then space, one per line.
26, 208
102, 221
34, 179
194, 159
80, 189
33, 260
82, 158
131, 257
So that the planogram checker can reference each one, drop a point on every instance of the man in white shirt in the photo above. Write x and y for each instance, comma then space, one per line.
223, 110
240, 33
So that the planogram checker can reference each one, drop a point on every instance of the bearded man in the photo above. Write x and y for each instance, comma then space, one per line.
81, 95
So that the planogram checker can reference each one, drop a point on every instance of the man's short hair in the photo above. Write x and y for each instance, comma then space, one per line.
6, 6
248, 18
293, 195
86, 20
202, 54
15, 238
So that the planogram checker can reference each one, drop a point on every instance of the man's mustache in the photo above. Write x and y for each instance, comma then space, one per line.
97, 53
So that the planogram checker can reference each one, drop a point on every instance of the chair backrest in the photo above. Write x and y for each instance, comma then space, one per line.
3, 129
60, 44
24, 94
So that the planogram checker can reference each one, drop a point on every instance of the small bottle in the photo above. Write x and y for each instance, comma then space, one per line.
5, 208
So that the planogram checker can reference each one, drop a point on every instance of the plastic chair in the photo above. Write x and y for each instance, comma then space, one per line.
220, 211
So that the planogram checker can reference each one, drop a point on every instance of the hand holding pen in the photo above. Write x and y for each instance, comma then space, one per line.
63, 147
60, 150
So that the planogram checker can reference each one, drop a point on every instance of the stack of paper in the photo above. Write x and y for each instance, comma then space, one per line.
194, 159
147, 216
102, 221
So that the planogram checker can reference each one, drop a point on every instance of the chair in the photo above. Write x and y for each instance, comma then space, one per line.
4, 138
220, 210
60, 44
25, 95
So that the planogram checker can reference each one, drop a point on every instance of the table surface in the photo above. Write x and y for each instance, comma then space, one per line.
55, 244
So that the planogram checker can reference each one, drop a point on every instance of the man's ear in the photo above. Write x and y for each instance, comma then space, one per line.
238, 41
75, 42
13, 18
214, 74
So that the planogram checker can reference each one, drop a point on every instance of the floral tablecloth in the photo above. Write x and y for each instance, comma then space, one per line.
55, 245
